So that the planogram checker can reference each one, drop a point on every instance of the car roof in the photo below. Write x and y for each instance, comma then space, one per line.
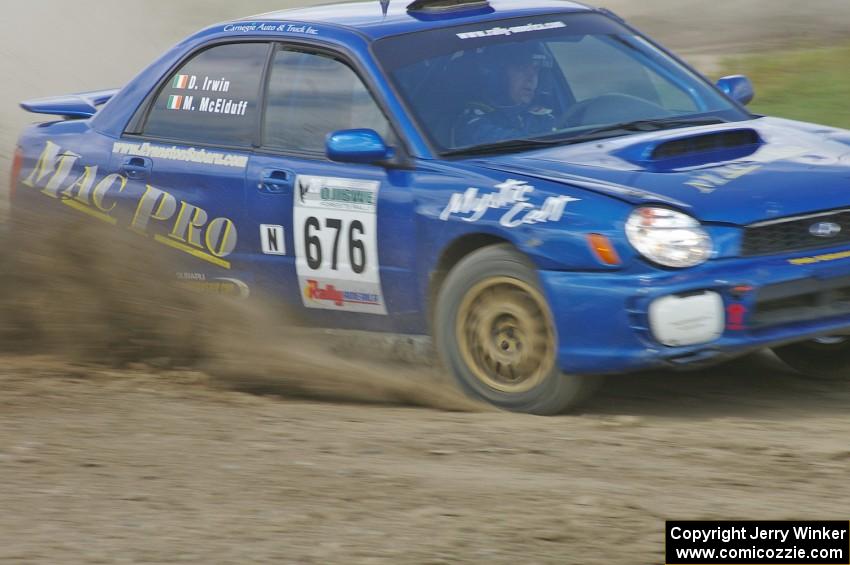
368, 17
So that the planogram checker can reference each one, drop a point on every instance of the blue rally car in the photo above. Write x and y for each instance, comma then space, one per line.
550, 194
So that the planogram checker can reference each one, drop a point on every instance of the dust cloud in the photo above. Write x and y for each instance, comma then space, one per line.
92, 294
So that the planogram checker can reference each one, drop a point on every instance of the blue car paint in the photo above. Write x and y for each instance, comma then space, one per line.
791, 158
600, 310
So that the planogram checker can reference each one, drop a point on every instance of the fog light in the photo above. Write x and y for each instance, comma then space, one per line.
691, 319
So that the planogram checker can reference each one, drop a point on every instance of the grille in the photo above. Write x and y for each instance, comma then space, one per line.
801, 301
793, 235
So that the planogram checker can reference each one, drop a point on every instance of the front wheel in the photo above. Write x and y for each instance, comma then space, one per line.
496, 333
826, 358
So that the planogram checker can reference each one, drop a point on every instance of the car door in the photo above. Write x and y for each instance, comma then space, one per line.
333, 237
186, 165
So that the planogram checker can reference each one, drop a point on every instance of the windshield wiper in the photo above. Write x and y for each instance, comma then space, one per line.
639, 126
507, 145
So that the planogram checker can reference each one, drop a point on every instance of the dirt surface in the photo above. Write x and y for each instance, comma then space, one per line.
100, 466
127, 437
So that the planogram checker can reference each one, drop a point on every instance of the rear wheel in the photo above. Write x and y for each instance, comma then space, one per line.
826, 358
496, 333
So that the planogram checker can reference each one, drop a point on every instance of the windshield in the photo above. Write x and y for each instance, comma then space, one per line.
548, 79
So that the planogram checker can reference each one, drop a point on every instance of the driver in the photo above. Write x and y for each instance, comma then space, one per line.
508, 110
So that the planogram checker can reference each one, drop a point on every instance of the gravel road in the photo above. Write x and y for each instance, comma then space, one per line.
136, 466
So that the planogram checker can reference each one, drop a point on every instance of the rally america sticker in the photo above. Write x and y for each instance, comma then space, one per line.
336, 245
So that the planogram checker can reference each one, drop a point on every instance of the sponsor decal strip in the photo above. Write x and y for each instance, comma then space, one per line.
708, 182
506, 31
190, 229
709, 179
286, 28
220, 286
512, 195
185, 155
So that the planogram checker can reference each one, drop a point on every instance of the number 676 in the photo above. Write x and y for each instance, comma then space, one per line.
313, 244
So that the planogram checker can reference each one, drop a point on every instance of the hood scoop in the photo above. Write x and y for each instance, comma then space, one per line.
693, 150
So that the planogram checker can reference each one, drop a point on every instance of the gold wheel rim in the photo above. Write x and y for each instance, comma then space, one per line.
506, 335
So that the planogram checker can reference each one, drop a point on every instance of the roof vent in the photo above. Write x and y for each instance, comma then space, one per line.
705, 143
445, 5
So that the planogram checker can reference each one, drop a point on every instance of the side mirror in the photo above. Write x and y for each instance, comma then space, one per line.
738, 87
364, 146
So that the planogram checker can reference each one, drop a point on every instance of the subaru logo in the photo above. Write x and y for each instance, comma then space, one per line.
825, 229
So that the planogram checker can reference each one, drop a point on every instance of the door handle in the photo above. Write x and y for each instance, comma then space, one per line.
275, 181
137, 167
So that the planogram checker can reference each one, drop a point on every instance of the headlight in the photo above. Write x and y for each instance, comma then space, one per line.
668, 237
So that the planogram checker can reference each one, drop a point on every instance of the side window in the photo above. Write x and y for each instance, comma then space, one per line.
312, 95
213, 98
594, 67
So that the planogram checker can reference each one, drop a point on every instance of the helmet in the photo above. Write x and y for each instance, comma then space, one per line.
496, 61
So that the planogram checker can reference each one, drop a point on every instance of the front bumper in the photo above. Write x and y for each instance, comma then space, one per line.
603, 319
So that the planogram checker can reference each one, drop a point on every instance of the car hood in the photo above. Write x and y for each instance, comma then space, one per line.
737, 173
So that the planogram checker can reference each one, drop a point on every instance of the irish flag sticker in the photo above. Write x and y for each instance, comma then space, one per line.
175, 102
181, 81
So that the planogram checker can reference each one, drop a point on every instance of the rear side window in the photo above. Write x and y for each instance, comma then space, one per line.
212, 99
311, 95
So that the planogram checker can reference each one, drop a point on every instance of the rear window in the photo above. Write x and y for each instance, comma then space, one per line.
213, 98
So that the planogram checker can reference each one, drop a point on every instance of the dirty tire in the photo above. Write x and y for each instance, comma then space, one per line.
827, 359
495, 332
